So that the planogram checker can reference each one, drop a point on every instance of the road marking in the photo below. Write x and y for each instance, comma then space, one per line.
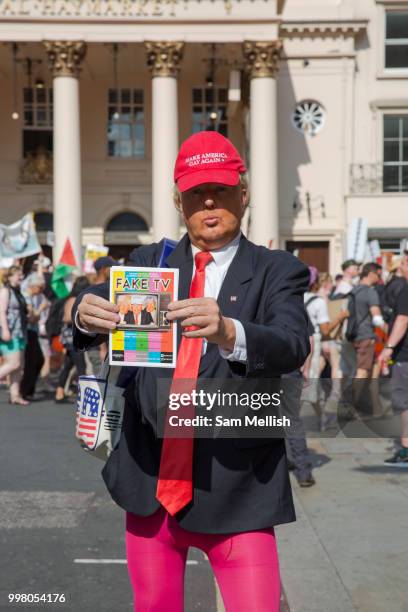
118, 561
218, 599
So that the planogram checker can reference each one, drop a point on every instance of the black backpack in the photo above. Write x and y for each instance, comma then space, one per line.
352, 323
53, 325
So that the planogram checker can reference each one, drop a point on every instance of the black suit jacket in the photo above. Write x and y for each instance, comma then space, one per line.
129, 318
146, 318
240, 484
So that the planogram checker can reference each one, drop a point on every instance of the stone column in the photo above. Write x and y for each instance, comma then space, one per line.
262, 64
65, 59
163, 60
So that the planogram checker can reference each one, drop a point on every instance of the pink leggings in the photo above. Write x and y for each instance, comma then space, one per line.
245, 564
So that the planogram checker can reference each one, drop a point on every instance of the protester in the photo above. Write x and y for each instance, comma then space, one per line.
45, 268
397, 350
395, 283
72, 358
319, 317
298, 452
45, 345
367, 314
239, 488
337, 280
350, 269
13, 323
102, 268
317, 310
34, 359
348, 365
331, 349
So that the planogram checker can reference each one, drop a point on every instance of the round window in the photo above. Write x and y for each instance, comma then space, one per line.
309, 117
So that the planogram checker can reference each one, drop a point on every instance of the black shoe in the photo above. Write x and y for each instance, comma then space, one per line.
306, 482
399, 459
291, 465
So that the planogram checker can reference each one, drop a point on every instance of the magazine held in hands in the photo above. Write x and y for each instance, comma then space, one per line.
143, 337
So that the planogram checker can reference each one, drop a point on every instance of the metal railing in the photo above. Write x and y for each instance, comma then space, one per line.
366, 178
389, 177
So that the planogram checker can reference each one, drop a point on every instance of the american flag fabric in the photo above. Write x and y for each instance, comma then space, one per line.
99, 414
90, 409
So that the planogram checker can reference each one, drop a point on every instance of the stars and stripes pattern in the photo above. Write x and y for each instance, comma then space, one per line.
89, 406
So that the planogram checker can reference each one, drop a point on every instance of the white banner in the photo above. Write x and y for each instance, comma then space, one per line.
357, 239
92, 253
19, 239
375, 250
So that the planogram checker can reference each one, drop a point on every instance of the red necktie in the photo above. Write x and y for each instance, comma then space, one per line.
175, 483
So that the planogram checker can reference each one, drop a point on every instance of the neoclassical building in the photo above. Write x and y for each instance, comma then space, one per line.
96, 96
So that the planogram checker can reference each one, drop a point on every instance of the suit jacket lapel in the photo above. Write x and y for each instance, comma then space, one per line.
182, 258
234, 289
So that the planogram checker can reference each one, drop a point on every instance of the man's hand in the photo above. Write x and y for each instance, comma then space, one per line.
385, 356
343, 314
97, 315
205, 315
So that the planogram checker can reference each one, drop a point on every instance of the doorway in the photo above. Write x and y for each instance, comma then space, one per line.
311, 253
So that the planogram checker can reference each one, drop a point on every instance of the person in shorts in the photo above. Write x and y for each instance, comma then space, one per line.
13, 332
368, 314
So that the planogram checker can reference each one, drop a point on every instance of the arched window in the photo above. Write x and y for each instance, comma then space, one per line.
44, 221
127, 222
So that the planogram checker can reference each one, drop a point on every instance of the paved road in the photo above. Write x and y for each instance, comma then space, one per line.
347, 552
54, 510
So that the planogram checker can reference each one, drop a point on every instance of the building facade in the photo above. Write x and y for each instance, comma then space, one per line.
98, 94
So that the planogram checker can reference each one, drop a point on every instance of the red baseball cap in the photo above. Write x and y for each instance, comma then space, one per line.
207, 157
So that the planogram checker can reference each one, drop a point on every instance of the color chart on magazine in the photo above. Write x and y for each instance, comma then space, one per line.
144, 336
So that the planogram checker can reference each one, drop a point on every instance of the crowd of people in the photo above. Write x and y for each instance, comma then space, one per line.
224, 494
358, 333
359, 320
36, 337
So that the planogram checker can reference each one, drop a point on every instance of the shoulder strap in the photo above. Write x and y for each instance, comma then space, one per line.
311, 299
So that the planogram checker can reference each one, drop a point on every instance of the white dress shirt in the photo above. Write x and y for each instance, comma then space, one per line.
215, 273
